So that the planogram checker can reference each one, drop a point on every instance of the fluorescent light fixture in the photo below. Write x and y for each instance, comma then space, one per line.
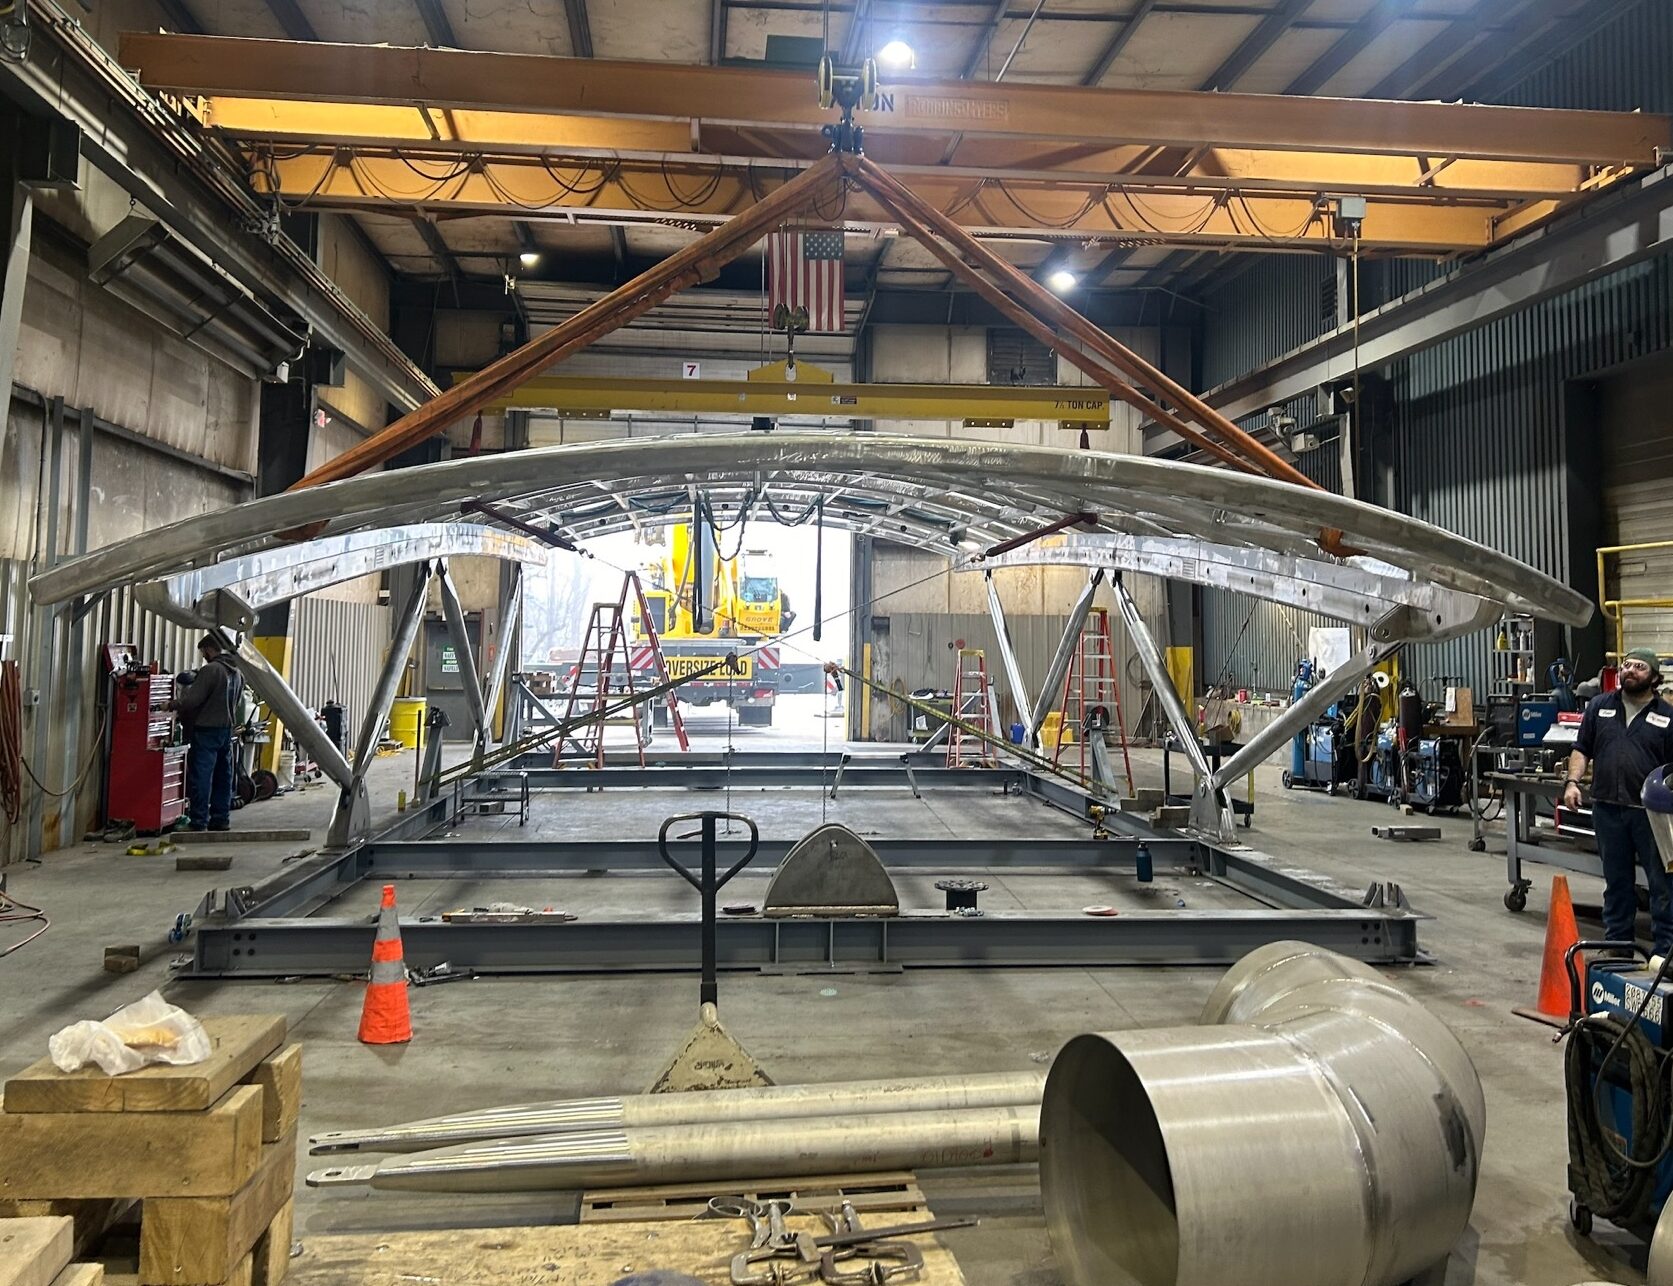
529, 258
898, 55
1062, 280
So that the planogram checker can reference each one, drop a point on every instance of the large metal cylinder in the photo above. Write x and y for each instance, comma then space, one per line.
777, 1102
710, 1153
1323, 1127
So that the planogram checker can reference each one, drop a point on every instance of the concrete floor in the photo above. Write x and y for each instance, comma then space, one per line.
495, 1041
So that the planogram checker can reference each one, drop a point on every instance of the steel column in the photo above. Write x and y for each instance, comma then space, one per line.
16, 226
1051, 687
460, 632
1302, 713
389, 679
1008, 655
510, 618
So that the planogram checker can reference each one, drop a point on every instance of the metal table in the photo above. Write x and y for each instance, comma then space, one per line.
1523, 794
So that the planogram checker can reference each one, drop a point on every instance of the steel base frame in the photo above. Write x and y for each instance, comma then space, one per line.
282, 927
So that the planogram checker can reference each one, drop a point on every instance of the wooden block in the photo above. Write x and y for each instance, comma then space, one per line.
121, 964
280, 1078
271, 1256
93, 1216
238, 1044
81, 1275
132, 1154
34, 1251
244, 1273
198, 1241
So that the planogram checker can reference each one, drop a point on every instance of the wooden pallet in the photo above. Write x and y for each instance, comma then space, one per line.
36, 1252
594, 1254
206, 1153
897, 1192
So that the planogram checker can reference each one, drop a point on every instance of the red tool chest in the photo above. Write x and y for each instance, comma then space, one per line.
145, 773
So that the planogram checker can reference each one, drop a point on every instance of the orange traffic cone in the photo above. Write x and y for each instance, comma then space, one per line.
385, 1018
1561, 933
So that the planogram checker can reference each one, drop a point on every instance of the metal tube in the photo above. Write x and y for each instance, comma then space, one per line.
1051, 687
510, 619
287, 707
469, 679
1324, 1128
1008, 656
710, 1153
1319, 698
1150, 656
389, 679
777, 1102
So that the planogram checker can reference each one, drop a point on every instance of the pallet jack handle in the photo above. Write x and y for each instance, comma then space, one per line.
708, 885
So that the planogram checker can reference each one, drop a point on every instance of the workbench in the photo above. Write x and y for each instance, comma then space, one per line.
1569, 846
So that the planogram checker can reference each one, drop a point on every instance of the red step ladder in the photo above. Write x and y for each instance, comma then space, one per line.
972, 705
606, 645
1091, 695
654, 662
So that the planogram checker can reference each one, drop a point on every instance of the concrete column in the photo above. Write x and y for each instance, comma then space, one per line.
16, 222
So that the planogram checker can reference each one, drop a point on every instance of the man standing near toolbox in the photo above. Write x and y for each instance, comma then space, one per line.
1626, 735
207, 708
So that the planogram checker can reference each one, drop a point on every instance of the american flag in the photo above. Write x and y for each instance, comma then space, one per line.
804, 270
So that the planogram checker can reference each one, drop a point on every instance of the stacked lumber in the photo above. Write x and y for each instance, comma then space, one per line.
207, 1153
37, 1252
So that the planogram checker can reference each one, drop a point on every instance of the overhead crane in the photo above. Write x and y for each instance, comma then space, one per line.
619, 142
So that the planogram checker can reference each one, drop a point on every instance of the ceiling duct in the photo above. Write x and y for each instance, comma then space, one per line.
143, 264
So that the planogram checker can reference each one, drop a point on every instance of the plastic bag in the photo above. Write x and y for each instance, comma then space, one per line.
148, 1031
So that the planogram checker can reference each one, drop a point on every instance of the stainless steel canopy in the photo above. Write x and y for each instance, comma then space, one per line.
950, 495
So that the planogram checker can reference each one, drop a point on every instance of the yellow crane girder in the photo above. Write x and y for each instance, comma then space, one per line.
984, 405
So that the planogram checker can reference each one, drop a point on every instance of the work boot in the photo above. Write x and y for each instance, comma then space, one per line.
220, 826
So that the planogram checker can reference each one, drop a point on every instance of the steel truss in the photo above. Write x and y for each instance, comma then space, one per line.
284, 926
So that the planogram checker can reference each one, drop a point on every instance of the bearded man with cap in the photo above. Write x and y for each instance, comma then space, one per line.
207, 709
1626, 735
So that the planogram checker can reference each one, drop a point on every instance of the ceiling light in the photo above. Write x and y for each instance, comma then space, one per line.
529, 258
898, 55
1062, 280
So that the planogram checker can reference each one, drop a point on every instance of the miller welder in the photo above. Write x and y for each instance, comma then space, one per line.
1617, 1070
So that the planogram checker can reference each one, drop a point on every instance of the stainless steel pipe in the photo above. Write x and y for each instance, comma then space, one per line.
777, 1102
717, 1152
1323, 1127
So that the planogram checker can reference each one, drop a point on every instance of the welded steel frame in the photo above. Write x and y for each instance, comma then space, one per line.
284, 926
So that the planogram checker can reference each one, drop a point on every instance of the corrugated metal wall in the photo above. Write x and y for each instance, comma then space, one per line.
337, 649
1479, 420
75, 708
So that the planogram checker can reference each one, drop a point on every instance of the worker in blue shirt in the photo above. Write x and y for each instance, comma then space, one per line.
1626, 735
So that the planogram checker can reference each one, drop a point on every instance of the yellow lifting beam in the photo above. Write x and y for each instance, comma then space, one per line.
988, 405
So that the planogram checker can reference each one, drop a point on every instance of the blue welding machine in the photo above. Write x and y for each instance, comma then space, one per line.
1620, 1099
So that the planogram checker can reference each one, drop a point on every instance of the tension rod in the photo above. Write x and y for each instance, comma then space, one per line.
544, 535
1029, 537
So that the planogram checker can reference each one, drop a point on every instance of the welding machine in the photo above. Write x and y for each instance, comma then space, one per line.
1620, 1096
1620, 1102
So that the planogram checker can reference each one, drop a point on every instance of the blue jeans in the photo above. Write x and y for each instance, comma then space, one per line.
1626, 844
209, 778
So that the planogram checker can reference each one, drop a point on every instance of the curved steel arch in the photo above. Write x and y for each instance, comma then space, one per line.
1186, 500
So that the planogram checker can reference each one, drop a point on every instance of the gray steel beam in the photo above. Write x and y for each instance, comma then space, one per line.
290, 16
1156, 667
580, 29
17, 220
394, 666
990, 24
1124, 33
1348, 46
469, 679
1267, 33
510, 618
1008, 653
1051, 686
997, 940
678, 776
1319, 698
134, 140
437, 25
1622, 227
